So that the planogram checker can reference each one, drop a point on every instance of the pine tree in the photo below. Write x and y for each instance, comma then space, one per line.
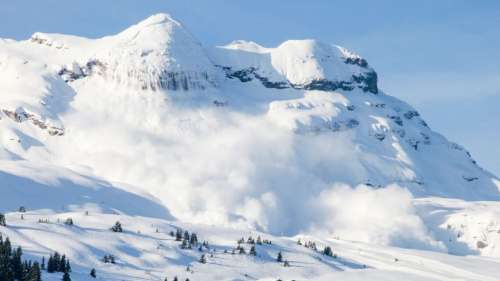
43, 263
184, 244
57, 261
69, 221
279, 258
259, 240
203, 259
327, 251
66, 277
178, 235
253, 252
93, 273
36, 274
2, 220
62, 264
176, 279
67, 267
117, 227
286, 263
50, 264
17, 264
193, 239
242, 250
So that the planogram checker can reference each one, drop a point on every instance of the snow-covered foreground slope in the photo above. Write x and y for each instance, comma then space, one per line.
292, 140
146, 251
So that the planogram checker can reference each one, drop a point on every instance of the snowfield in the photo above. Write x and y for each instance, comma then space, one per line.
151, 128
146, 251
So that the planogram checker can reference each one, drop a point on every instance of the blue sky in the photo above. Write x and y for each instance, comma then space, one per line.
440, 56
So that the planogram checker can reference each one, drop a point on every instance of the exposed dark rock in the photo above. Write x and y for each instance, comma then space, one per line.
220, 103
396, 119
326, 85
367, 81
379, 136
79, 72
356, 61
400, 132
470, 178
413, 143
22, 116
352, 123
410, 114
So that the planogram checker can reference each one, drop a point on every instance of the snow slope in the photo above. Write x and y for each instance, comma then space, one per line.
292, 140
146, 251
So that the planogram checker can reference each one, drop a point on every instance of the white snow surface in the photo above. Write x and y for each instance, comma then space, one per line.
154, 129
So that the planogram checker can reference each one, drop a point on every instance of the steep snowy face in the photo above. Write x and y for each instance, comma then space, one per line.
157, 53
299, 64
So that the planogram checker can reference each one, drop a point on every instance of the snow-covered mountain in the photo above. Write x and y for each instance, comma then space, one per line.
295, 139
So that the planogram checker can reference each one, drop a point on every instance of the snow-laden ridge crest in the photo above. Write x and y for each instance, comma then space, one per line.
299, 64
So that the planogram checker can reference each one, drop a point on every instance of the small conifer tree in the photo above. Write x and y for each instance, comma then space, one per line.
253, 252
117, 227
279, 258
2, 220
66, 277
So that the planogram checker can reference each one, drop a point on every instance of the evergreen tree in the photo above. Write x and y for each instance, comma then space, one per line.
193, 239
286, 263
176, 279
35, 273
279, 258
117, 227
69, 221
184, 244
43, 263
17, 264
253, 252
259, 240
66, 277
93, 273
186, 235
61, 267
327, 251
50, 264
2, 220
57, 261
203, 259
242, 250
67, 267
178, 235
13, 268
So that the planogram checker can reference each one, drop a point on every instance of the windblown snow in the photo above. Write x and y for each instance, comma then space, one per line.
154, 129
